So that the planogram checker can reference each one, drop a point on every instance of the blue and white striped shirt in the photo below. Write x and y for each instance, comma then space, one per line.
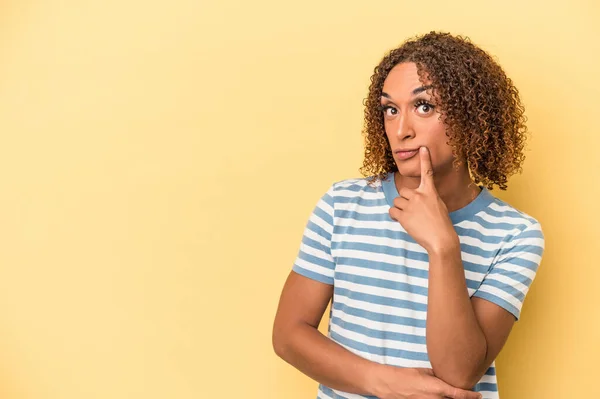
380, 274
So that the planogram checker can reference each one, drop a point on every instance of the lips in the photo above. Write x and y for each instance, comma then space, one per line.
406, 154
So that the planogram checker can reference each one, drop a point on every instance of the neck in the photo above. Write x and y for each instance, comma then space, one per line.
456, 189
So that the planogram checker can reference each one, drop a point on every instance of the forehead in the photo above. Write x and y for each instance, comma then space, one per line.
402, 80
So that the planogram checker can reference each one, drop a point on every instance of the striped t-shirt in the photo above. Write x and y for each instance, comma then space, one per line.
380, 274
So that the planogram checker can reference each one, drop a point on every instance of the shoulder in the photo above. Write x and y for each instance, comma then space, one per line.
355, 187
507, 213
512, 224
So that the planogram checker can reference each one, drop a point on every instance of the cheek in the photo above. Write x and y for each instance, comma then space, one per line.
439, 142
388, 127
436, 137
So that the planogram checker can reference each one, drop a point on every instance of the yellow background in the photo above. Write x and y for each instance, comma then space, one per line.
158, 162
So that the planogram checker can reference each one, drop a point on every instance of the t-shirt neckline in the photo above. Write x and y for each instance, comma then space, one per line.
483, 199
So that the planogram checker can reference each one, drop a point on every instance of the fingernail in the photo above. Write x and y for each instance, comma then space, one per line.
423, 150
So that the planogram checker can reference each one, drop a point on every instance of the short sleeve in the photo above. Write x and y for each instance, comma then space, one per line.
314, 258
513, 271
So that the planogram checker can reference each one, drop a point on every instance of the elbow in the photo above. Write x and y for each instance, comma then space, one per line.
465, 371
467, 381
279, 343
457, 378
463, 376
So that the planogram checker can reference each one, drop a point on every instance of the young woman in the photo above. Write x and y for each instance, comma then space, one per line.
426, 270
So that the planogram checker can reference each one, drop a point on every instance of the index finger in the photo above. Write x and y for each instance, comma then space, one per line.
426, 167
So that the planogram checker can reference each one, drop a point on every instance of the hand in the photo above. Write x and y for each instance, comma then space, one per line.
416, 383
422, 213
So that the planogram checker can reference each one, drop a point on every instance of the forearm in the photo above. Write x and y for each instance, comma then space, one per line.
327, 362
455, 342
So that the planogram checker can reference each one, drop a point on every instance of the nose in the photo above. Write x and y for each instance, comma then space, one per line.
405, 126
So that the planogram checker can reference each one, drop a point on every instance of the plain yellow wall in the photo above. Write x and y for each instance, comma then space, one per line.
159, 160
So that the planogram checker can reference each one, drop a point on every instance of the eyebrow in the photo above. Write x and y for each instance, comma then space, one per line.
414, 92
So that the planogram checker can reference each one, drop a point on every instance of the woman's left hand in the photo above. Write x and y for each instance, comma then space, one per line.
422, 213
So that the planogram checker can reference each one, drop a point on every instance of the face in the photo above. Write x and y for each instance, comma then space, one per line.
411, 120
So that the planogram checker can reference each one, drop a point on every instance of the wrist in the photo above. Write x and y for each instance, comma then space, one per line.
449, 246
383, 380
375, 380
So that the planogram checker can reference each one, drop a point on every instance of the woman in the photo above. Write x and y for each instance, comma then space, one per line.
427, 271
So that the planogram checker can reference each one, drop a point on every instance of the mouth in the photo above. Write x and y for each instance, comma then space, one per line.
405, 154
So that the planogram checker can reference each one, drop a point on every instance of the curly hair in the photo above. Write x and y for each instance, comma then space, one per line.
479, 105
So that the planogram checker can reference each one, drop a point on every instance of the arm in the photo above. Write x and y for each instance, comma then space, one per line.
464, 335
297, 340
305, 295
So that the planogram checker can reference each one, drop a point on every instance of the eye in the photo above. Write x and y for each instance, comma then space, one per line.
425, 106
388, 111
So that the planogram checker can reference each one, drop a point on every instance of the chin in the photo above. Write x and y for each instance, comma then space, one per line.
409, 170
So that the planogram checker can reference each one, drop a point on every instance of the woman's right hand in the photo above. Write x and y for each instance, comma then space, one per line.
415, 383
